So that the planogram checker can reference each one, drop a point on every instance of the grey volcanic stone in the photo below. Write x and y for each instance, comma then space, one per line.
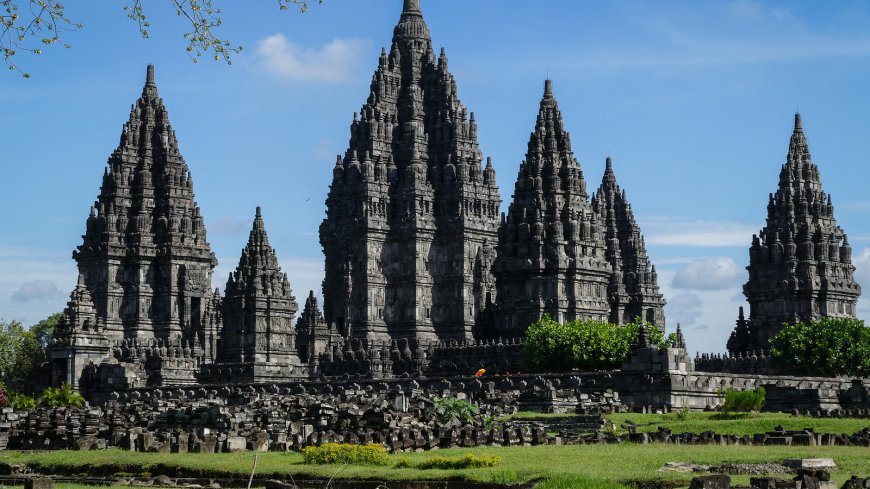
711, 482
800, 265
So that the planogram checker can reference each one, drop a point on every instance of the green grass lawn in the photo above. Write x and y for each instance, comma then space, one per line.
587, 466
739, 424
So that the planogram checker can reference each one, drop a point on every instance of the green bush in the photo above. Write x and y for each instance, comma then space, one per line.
344, 453
453, 408
4, 397
467, 461
21, 402
63, 396
745, 401
404, 463
584, 344
826, 347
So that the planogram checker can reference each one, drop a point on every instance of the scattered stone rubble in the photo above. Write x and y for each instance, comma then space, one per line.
402, 417
803, 479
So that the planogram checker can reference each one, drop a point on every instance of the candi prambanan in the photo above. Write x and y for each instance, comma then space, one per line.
423, 274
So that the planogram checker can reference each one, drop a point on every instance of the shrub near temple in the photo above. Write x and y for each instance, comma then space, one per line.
745, 401
63, 396
467, 461
343, 453
584, 344
826, 347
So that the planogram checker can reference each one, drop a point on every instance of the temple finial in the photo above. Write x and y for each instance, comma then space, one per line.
411, 7
149, 76
548, 88
259, 214
798, 126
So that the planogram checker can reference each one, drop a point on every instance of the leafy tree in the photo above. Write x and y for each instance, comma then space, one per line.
22, 350
42, 333
4, 397
30, 25
15, 345
585, 344
827, 347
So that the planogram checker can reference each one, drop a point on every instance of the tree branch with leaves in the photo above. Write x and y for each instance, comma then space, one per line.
27, 25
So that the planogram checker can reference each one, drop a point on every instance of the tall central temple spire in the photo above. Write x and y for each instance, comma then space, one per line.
800, 264
411, 211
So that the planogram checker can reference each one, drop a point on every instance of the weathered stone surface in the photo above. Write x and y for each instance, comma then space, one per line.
38, 483
633, 291
810, 463
711, 482
412, 212
551, 251
800, 265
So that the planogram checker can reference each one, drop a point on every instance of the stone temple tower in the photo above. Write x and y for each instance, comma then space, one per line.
144, 259
551, 250
412, 212
259, 335
800, 264
634, 290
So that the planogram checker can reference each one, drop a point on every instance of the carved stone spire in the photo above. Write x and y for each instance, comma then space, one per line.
551, 245
800, 264
633, 291
410, 204
313, 333
144, 255
258, 312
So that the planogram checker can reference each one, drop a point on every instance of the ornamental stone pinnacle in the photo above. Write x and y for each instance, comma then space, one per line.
633, 291
258, 314
144, 257
551, 251
800, 264
411, 210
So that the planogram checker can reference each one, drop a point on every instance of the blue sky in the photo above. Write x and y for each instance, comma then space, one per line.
694, 101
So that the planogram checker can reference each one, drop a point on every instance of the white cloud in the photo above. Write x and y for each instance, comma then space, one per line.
697, 233
36, 291
334, 62
862, 266
35, 282
684, 309
717, 273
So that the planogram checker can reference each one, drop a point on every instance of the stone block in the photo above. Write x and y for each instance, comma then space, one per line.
38, 483
771, 483
810, 463
236, 444
720, 481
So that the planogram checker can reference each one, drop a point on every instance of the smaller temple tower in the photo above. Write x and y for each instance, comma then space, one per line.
258, 312
78, 340
551, 251
800, 264
313, 335
633, 291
